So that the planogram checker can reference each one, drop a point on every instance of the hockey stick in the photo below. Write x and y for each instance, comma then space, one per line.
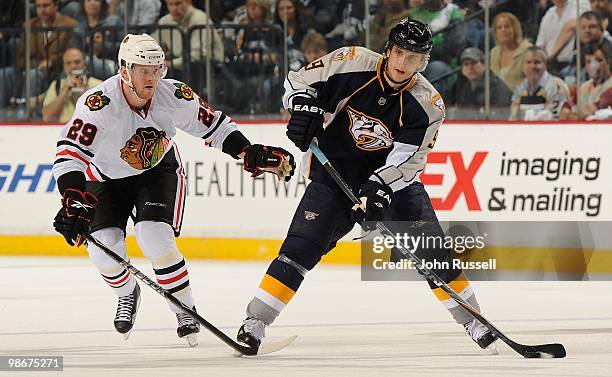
265, 348
554, 350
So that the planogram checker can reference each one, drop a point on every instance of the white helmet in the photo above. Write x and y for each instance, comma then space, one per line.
141, 49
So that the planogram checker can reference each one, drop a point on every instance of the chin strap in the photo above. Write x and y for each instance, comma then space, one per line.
129, 83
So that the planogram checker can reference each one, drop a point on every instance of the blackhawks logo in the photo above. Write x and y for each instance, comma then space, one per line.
145, 149
96, 101
183, 92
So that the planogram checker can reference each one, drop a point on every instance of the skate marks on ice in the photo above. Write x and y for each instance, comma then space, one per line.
346, 327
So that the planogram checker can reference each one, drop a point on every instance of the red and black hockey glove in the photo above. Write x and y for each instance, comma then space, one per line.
375, 199
77, 212
261, 158
306, 122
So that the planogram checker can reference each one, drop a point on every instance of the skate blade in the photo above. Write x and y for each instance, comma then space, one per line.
126, 335
270, 347
192, 340
492, 349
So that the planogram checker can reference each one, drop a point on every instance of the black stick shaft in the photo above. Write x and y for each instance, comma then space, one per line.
157, 288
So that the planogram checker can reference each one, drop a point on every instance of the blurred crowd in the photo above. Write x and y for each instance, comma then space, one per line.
548, 60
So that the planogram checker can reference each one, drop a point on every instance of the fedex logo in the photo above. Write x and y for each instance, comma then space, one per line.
22, 176
465, 171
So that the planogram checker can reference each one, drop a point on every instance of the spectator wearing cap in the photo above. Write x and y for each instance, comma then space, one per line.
469, 89
541, 96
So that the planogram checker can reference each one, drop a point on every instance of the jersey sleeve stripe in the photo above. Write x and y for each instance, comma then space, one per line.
67, 152
84, 151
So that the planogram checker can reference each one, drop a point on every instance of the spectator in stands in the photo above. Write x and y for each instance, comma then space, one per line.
349, 29
448, 45
100, 47
259, 43
469, 89
183, 16
298, 23
596, 93
389, 14
12, 16
557, 31
314, 46
604, 8
506, 56
63, 93
139, 12
592, 32
93, 14
46, 49
541, 96
439, 15
322, 13
255, 72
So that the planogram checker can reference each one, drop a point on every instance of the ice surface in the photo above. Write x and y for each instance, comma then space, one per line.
60, 306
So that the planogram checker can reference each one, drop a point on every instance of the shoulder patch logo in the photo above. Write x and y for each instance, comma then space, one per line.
344, 53
183, 91
370, 134
144, 149
96, 101
436, 100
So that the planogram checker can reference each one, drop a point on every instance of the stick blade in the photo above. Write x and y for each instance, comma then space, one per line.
269, 347
544, 351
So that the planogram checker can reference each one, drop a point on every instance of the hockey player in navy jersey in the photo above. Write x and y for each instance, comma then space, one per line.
117, 153
384, 120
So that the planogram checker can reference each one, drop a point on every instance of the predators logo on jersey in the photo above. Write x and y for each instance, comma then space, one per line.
96, 101
371, 134
145, 148
183, 92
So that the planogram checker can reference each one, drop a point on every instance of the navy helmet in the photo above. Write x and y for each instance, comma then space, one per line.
411, 35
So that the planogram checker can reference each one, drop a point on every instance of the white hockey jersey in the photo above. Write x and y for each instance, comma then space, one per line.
108, 139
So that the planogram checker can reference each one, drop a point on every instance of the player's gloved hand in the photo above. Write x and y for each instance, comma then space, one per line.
72, 220
306, 122
375, 199
261, 158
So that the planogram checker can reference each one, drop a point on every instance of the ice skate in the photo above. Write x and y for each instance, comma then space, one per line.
127, 307
188, 328
481, 335
251, 332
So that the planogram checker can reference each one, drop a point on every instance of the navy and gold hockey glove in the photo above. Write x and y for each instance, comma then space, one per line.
375, 199
77, 212
261, 158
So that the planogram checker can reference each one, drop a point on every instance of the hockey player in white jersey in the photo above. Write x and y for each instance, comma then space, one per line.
117, 153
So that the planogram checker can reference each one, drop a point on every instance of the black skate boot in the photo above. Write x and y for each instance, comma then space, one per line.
187, 328
127, 307
251, 332
481, 334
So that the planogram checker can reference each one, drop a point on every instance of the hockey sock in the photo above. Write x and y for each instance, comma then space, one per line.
462, 286
123, 283
277, 288
171, 274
